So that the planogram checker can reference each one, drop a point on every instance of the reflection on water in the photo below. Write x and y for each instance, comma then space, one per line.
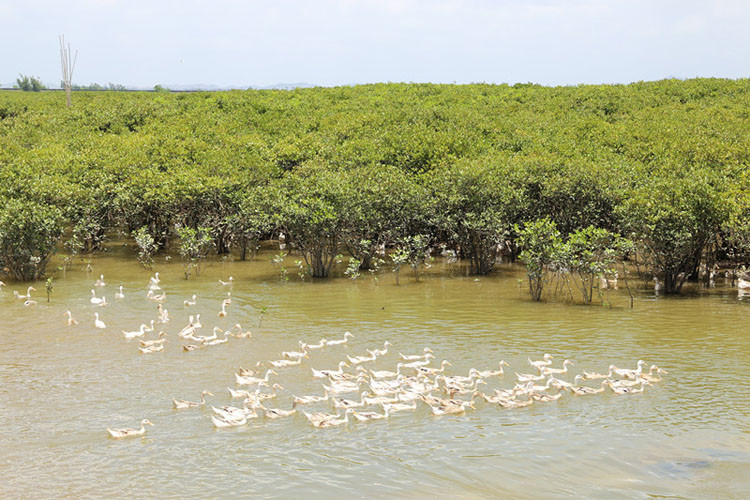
60, 387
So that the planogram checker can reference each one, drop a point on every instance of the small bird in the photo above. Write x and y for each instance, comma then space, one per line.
125, 433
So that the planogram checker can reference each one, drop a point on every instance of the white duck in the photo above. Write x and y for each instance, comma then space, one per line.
328, 373
94, 299
543, 362
99, 323
71, 321
28, 293
192, 301
416, 357
120, 294
100, 281
347, 336
137, 333
181, 404
125, 433
227, 283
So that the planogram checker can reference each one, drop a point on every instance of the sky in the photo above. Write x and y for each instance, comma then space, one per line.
342, 42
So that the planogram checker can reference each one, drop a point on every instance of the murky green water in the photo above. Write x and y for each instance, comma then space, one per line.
60, 387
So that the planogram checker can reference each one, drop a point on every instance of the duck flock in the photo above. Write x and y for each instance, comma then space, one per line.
376, 394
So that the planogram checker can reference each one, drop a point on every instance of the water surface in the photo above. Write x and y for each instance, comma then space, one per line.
60, 387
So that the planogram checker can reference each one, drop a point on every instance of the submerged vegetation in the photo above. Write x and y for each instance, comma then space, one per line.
571, 180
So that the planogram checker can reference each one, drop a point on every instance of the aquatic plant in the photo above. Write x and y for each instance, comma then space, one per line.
29, 233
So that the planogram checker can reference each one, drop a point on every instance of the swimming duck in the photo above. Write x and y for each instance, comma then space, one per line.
239, 333
30, 302
328, 373
152, 349
451, 409
219, 341
380, 352
125, 433
191, 302
527, 377
120, 294
381, 374
370, 415
222, 421
583, 390
223, 311
651, 376
28, 293
253, 380
94, 299
623, 390
361, 359
295, 354
624, 372
541, 363
333, 422
417, 364
548, 371
416, 357
133, 334
226, 283
317, 416
394, 407
154, 282
156, 298
181, 404
160, 340
274, 413
347, 336
545, 398
304, 400
491, 373
340, 403
100, 281
71, 321
284, 363
98, 323
425, 370
321, 344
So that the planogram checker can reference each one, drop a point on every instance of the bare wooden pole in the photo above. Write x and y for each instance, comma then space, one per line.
68, 65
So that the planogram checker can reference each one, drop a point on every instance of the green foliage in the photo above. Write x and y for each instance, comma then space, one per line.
48, 287
676, 217
146, 247
28, 234
412, 250
591, 253
194, 246
362, 168
160, 89
29, 83
541, 248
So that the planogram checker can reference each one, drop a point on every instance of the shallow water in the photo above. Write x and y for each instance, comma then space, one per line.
60, 388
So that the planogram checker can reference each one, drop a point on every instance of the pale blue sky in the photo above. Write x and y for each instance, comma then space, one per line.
330, 42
